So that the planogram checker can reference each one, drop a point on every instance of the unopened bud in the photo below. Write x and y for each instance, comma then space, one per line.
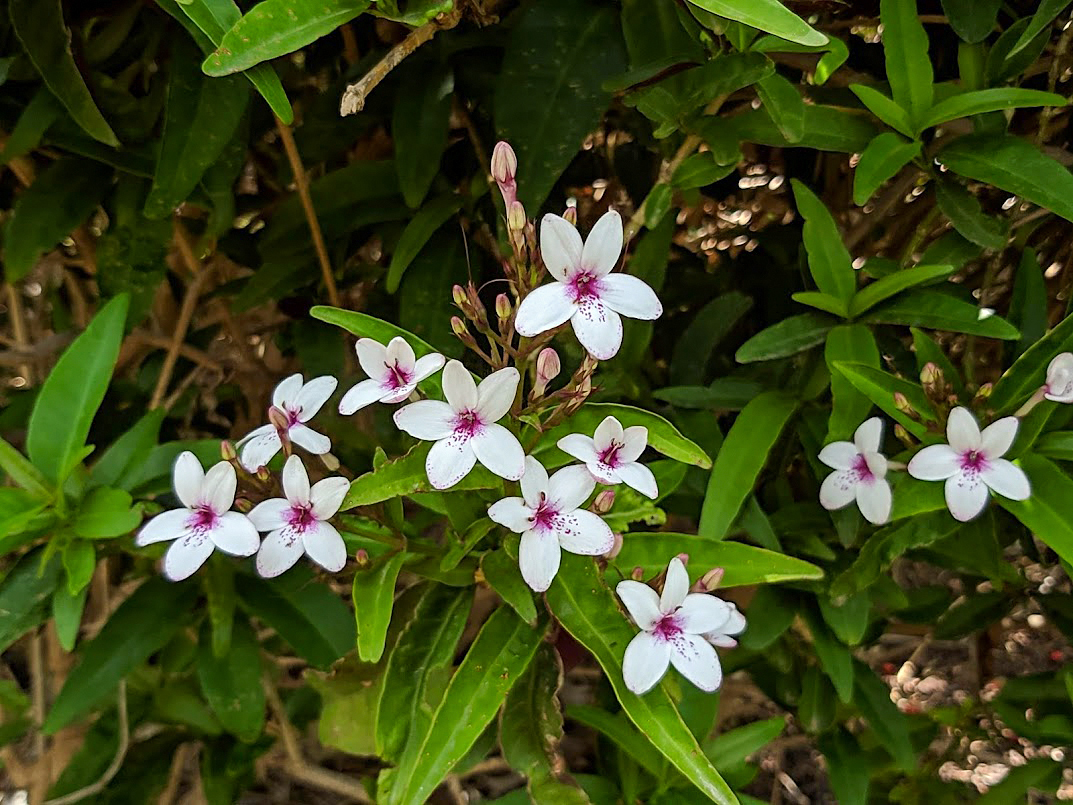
616, 546
516, 216
983, 393
570, 214
901, 402
227, 451
362, 558
637, 573
604, 501
712, 579
503, 307
547, 365
458, 327
278, 418
458, 295
263, 475
902, 435
330, 462
931, 374
504, 163
243, 505
683, 558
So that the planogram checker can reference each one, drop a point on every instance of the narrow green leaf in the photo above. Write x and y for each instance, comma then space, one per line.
1044, 16
964, 211
928, 351
996, 99
419, 126
880, 387
884, 108
1049, 512
621, 731
41, 112
770, 16
730, 750
417, 233
893, 284
834, 657
709, 327
232, 683
905, 48
79, 562
741, 459
828, 259
822, 301
24, 595
847, 618
783, 102
219, 582
827, 128
128, 451
373, 594
407, 476
1028, 305
1029, 371
890, 725
850, 343
882, 159
503, 575
67, 611
23, 472
940, 311
787, 337
848, 766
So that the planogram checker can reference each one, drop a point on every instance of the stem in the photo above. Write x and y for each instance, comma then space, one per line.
1031, 403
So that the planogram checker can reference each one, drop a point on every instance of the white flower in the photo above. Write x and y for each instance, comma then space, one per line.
464, 428
299, 522
677, 628
298, 403
971, 464
548, 518
585, 292
393, 372
1059, 385
860, 472
611, 455
206, 522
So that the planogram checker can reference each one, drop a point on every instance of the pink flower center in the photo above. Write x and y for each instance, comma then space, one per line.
397, 377
973, 462
861, 468
667, 628
467, 424
300, 518
609, 455
545, 515
585, 285
202, 519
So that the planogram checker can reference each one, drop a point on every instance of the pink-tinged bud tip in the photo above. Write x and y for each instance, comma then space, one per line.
548, 366
503, 306
516, 216
458, 295
243, 505
616, 546
930, 374
362, 557
278, 418
604, 501
712, 579
504, 163
683, 558
458, 327
263, 475
637, 573
227, 451
570, 214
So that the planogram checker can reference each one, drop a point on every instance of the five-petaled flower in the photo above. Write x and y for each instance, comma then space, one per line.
611, 455
205, 523
972, 463
677, 627
585, 292
298, 402
859, 473
1059, 385
298, 523
548, 517
394, 372
464, 428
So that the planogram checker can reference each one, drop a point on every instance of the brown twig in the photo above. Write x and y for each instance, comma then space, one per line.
175, 775
301, 182
18, 329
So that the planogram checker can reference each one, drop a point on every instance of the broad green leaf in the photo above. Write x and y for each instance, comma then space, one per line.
24, 595
822, 301
982, 101
200, 119
60, 199
40, 28
67, 614
835, 658
232, 683
1045, 14
827, 128
722, 75
502, 574
373, 594
1014, 165
277, 27
588, 610
710, 326
893, 284
905, 48
128, 451
407, 476
549, 95
884, 108
882, 159
419, 127
972, 614
1058, 445
880, 387
891, 726
816, 706
497, 658
848, 767
1029, 371
848, 618
417, 233
22, 472
964, 211
106, 512
700, 170
142, 625
39, 114
783, 102
940, 311
730, 750
75, 387
621, 731
741, 459
850, 343
972, 20
79, 562
663, 437
770, 16
1029, 302
787, 337
724, 393
828, 260
1049, 512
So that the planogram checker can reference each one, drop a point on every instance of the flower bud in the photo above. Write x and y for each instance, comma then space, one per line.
711, 580
458, 327
570, 213
547, 366
263, 475
616, 546
683, 558
637, 573
902, 435
227, 451
243, 505
503, 307
901, 402
458, 295
504, 163
362, 558
1059, 385
516, 217
330, 462
278, 418
604, 501
983, 392
931, 374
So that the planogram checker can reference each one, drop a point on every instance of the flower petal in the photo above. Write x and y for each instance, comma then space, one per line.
543, 309
876, 463
838, 489
235, 534
1007, 479
286, 390
874, 500
935, 463
495, 394
313, 396
458, 387
641, 602
165, 526
839, 455
279, 552
735, 623
702, 613
500, 451
560, 246
966, 495
645, 662
630, 296
962, 431
296, 481
258, 451
268, 515
676, 586
607, 432
635, 440
427, 365
511, 513
998, 437
218, 488
534, 482
372, 355
603, 246
869, 435
584, 533
186, 555
325, 546
449, 461
697, 661
186, 477
327, 496
364, 393
538, 559
638, 476
578, 446
316, 443
598, 328
570, 487
401, 354
426, 419
399, 394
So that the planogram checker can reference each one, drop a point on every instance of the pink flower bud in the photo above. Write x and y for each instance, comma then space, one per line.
243, 505
458, 327
278, 418
616, 546
637, 573
504, 163
263, 475
516, 216
570, 214
227, 451
362, 558
604, 501
503, 307
712, 579
548, 366
683, 558
458, 295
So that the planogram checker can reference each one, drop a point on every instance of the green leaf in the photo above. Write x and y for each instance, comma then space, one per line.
827, 128
940, 311
771, 612
816, 706
709, 327
70, 397
549, 95
128, 451
783, 102
498, 657
880, 387
419, 127
67, 613
996, 99
835, 658
850, 343
964, 211
1029, 302
587, 609
770, 16
828, 260
142, 625
219, 582
848, 767
905, 48
741, 459
277, 27
373, 594
822, 301
621, 731
928, 351
787, 337
24, 595
39, 114
60, 199
882, 159
1013, 165
663, 437
23, 472
200, 119
724, 393
847, 618
884, 108
1049, 512
232, 683
1029, 371
893, 284
1044, 16
1002, 64
890, 725
417, 233
79, 561
1041, 774
106, 512
40, 28
972, 20
700, 170
503, 575
730, 750
407, 476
